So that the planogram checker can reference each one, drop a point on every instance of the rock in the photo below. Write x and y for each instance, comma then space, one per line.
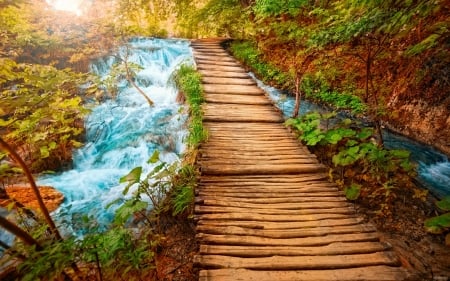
25, 195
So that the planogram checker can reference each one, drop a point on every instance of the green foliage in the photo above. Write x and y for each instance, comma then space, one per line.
444, 204
441, 223
438, 224
182, 195
266, 8
317, 89
41, 111
189, 84
108, 254
227, 18
352, 151
353, 191
249, 55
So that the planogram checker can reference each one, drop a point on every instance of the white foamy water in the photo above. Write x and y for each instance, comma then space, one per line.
124, 132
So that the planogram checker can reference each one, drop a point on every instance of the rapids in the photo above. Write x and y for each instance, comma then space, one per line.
122, 133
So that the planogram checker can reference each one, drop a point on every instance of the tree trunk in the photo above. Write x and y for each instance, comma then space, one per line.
298, 96
130, 79
20, 233
13, 154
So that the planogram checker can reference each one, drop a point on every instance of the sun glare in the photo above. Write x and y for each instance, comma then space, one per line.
72, 6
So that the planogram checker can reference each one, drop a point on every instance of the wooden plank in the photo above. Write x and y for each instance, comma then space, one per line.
272, 218
281, 225
200, 209
209, 58
228, 89
249, 161
218, 55
286, 206
281, 190
220, 68
261, 169
221, 73
236, 155
304, 179
298, 262
269, 183
236, 99
279, 234
201, 62
241, 240
273, 200
244, 118
228, 81
338, 248
215, 152
255, 194
367, 273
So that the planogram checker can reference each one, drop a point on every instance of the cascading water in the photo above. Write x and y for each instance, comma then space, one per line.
122, 133
433, 166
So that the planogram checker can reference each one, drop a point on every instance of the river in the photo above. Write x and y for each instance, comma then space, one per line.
122, 133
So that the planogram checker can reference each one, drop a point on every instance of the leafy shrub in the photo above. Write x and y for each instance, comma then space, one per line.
362, 167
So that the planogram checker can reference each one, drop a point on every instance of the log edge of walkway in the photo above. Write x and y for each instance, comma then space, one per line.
264, 208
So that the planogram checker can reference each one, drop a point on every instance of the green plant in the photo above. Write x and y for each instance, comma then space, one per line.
441, 223
188, 82
249, 54
373, 170
42, 112
182, 195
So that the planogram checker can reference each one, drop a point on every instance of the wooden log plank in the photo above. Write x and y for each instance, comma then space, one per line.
236, 99
214, 146
338, 248
298, 262
367, 273
216, 62
280, 234
218, 55
266, 140
272, 200
228, 81
249, 161
241, 240
261, 169
282, 225
221, 73
268, 184
304, 179
220, 68
205, 58
286, 206
254, 193
272, 218
199, 209
268, 119
239, 89
260, 189
245, 138
254, 153
258, 158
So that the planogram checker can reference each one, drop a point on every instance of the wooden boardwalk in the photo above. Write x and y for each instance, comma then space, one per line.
265, 210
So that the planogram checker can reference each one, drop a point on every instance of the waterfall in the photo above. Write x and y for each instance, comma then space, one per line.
433, 166
122, 133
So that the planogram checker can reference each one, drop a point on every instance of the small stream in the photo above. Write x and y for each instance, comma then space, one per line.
433, 166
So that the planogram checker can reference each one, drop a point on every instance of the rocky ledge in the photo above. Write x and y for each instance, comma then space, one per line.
25, 195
